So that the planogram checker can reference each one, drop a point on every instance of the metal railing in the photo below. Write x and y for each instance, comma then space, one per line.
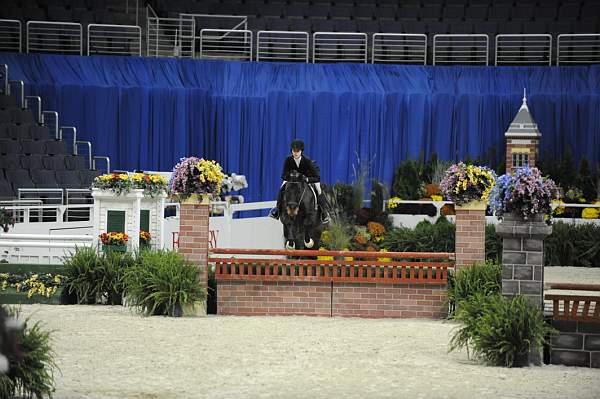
10, 36
88, 145
4, 87
460, 49
49, 199
50, 120
54, 37
79, 204
399, 48
114, 39
38, 103
226, 44
339, 47
73, 140
282, 46
21, 90
529, 49
170, 37
101, 158
578, 49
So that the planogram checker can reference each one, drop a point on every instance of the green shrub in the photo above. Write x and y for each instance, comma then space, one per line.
498, 330
484, 278
573, 245
408, 184
82, 270
425, 237
111, 272
493, 244
162, 282
34, 374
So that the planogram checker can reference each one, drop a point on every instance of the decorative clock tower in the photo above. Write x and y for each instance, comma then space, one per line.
522, 139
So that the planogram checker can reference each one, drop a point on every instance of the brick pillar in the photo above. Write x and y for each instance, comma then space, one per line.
523, 256
193, 236
470, 234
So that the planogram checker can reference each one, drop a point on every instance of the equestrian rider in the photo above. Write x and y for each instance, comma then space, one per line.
299, 162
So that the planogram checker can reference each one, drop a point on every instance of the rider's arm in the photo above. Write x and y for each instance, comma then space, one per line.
286, 170
314, 173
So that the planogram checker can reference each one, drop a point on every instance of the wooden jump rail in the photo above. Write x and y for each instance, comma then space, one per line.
575, 307
346, 266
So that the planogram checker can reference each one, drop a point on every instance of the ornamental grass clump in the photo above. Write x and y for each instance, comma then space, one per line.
196, 176
464, 183
525, 193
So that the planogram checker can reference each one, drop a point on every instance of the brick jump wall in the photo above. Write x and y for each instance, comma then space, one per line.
261, 298
577, 344
361, 288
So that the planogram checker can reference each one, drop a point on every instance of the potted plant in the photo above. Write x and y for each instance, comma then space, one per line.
145, 238
524, 194
152, 184
196, 176
118, 183
468, 185
82, 274
6, 220
114, 241
163, 283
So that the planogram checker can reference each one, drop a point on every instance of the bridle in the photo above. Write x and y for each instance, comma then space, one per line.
303, 189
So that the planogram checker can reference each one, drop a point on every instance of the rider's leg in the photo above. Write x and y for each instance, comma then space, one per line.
274, 213
322, 202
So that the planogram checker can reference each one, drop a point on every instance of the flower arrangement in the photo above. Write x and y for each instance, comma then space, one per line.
152, 184
464, 183
114, 238
377, 231
393, 202
524, 192
119, 183
196, 176
145, 236
437, 198
45, 285
591, 213
122, 183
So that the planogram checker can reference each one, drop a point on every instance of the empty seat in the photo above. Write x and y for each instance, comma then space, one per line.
301, 25
19, 132
31, 161
8, 146
476, 13
544, 13
511, 28
7, 101
4, 134
68, 179
463, 28
535, 27
363, 12
59, 14
34, 14
499, 13
54, 147
88, 176
391, 27
345, 25
19, 178
74, 162
54, 162
318, 12
340, 13
5, 116
522, 13
431, 12
568, 11
454, 12
33, 147
277, 24
295, 11
21, 116
409, 12
38, 132
437, 27
386, 12
10, 161
271, 10
368, 26
559, 27
43, 178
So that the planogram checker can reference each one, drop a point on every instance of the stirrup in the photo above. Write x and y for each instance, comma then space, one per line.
325, 219
274, 213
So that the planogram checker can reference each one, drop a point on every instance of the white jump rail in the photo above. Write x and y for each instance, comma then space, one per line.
282, 46
114, 39
460, 49
54, 37
578, 49
227, 44
399, 48
169, 37
523, 49
339, 47
11, 39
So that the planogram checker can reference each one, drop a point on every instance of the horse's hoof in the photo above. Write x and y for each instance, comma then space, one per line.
309, 244
290, 247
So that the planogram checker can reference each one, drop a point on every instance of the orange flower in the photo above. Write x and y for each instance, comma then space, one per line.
375, 228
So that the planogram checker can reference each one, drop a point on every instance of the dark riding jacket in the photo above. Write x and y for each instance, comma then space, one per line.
307, 167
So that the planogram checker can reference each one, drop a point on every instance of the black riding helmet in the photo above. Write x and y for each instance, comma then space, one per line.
297, 145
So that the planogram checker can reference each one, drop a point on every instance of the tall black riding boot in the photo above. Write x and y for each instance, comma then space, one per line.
274, 213
322, 201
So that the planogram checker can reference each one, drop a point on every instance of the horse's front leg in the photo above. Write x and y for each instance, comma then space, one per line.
290, 236
308, 241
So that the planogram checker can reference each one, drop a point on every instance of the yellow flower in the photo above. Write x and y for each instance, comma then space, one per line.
123, 176
590, 213
137, 177
436, 198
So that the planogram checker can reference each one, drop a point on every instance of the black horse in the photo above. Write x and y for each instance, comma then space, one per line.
301, 221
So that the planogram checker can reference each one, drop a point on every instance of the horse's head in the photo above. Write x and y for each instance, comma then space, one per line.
292, 197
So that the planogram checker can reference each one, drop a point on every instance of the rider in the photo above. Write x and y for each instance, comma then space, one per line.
299, 162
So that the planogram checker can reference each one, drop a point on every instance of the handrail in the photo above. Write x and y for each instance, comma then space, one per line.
39, 106
74, 141
89, 146
55, 126
21, 96
98, 157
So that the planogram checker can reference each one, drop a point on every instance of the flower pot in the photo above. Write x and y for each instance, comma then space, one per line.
175, 311
114, 248
472, 206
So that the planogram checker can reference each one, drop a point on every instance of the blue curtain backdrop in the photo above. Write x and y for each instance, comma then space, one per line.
146, 113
